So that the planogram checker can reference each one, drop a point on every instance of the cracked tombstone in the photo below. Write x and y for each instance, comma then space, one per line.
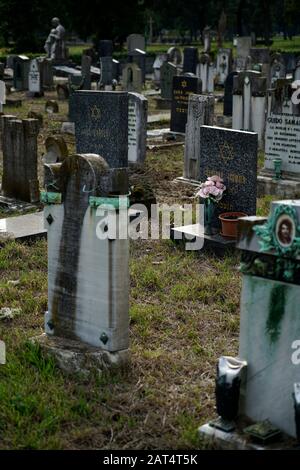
87, 323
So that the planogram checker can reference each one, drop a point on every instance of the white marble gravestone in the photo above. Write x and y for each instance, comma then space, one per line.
88, 278
34, 77
137, 128
249, 102
2, 94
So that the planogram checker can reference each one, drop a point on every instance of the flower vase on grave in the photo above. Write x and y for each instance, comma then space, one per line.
209, 210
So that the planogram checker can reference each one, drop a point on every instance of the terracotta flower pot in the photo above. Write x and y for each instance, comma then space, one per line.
229, 222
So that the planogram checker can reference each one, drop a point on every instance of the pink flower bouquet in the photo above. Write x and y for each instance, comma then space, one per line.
213, 188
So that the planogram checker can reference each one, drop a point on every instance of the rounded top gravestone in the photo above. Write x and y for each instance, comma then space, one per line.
56, 149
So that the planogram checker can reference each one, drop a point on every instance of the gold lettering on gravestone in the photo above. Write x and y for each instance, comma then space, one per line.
95, 112
226, 152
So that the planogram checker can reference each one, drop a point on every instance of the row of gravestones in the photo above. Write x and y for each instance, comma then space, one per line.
269, 327
88, 279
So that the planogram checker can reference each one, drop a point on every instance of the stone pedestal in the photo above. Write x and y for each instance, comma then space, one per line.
286, 188
75, 357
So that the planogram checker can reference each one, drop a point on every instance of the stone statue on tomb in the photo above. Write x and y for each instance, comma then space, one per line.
55, 43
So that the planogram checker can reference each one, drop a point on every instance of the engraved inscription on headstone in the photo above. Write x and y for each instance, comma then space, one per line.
282, 129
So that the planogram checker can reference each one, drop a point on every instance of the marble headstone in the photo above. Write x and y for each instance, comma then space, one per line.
283, 129
137, 128
88, 277
34, 77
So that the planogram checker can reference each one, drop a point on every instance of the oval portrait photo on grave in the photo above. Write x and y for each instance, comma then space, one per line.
285, 230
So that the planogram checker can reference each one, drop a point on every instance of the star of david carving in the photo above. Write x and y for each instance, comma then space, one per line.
184, 84
95, 112
226, 152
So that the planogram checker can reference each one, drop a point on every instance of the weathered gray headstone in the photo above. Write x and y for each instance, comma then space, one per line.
137, 127
135, 41
138, 57
224, 65
19, 143
86, 62
200, 112
101, 125
243, 50
132, 78
167, 72
220, 154
2, 94
174, 55
88, 277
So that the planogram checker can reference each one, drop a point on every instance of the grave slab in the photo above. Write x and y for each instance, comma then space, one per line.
23, 227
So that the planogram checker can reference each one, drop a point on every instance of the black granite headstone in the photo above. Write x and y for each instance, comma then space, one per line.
105, 48
190, 59
232, 155
101, 125
183, 86
289, 61
228, 89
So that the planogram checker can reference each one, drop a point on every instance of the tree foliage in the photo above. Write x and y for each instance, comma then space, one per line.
27, 23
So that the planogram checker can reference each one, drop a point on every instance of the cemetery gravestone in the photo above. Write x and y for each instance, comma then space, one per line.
232, 155
135, 41
101, 125
56, 149
105, 48
34, 79
243, 50
200, 112
183, 86
19, 144
21, 69
2, 95
86, 62
132, 78
249, 102
205, 71
224, 63
277, 68
282, 143
137, 128
174, 55
270, 327
168, 72
88, 277
228, 94
139, 57
190, 59
106, 67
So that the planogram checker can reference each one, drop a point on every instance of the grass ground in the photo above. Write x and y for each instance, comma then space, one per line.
184, 313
